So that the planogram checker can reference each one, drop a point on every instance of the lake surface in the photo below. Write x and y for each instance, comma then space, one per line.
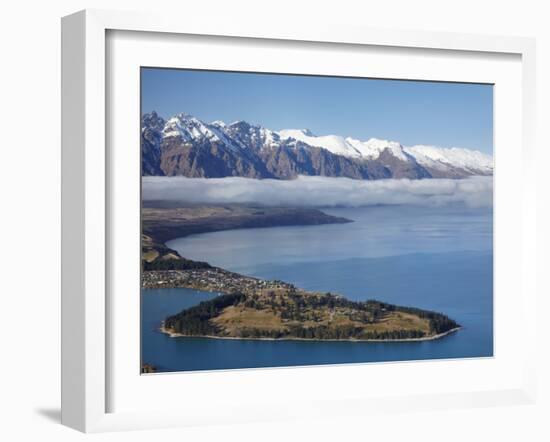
434, 258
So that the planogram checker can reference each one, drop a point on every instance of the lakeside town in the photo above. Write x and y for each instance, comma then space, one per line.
209, 279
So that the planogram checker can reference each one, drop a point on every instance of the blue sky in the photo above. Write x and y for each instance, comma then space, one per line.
411, 112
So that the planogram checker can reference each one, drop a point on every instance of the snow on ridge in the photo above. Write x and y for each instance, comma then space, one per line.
236, 134
373, 147
269, 137
190, 128
333, 143
260, 137
443, 157
349, 147
218, 123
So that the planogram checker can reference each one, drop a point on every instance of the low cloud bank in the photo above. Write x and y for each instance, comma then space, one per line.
321, 191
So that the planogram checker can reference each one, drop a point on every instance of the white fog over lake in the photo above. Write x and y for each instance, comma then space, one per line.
316, 191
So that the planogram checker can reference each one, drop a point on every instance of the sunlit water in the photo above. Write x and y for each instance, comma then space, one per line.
434, 258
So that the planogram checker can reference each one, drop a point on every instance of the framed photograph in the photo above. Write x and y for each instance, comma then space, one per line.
250, 213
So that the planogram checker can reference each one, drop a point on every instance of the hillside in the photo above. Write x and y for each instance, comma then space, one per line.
162, 221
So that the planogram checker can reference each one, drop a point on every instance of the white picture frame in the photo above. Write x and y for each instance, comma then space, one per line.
86, 213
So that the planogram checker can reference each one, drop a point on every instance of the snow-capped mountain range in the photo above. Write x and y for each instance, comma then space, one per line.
185, 145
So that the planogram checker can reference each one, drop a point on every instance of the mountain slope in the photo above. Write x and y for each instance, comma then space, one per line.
151, 139
184, 145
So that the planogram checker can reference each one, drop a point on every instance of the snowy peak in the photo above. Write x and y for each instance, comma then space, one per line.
348, 147
257, 137
191, 129
333, 143
454, 158
219, 124
152, 121
151, 138
373, 148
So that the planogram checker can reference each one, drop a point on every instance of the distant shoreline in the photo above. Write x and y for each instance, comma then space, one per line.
173, 334
168, 221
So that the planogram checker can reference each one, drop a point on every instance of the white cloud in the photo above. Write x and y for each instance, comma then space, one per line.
321, 191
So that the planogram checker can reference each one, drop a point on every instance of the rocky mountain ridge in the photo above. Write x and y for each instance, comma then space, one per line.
184, 145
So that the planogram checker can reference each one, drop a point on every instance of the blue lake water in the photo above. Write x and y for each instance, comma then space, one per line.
434, 258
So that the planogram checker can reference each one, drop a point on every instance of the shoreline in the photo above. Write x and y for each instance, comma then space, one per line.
173, 334
181, 223
202, 276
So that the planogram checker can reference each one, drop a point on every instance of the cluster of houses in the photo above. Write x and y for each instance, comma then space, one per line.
213, 280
